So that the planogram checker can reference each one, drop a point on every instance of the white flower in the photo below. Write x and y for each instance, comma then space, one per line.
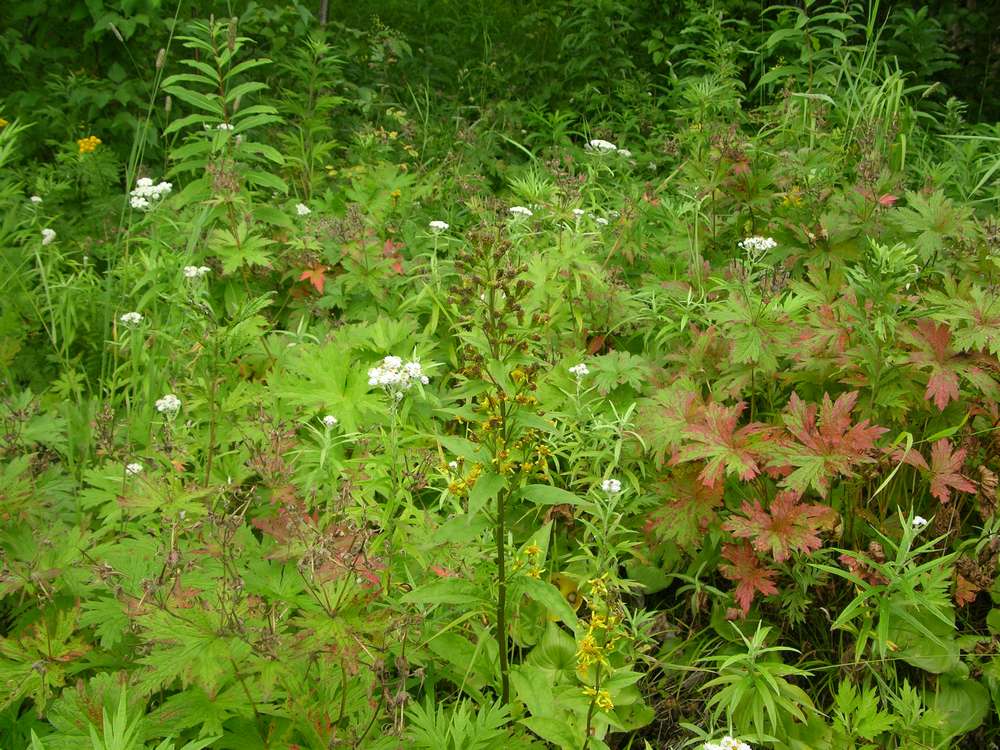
611, 486
131, 319
919, 522
727, 743
578, 212
601, 146
196, 272
133, 469
35, 199
438, 226
453, 465
625, 152
48, 235
581, 371
146, 193
168, 405
521, 211
757, 244
302, 209
224, 126
601, 221
396, 377
330, 421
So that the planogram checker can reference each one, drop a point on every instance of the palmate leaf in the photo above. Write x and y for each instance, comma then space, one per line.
945, 469
933, 352
745, 569
824, 445
787, 526
726, 449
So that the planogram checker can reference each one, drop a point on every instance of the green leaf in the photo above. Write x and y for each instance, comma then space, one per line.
447, 591
484, 490
549, 597
544, 494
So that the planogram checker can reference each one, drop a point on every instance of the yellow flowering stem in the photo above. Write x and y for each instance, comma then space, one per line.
593, 707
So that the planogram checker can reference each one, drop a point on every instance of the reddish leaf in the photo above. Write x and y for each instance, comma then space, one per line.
689, 510
827, 445
724, 448
888, 200
315, 276
946, 467
747, 572
965, 590
933, 350
391, 250
787, 526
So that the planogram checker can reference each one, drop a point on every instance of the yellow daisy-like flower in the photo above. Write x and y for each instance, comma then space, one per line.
89, 144
588, 652
4, 123
603, 698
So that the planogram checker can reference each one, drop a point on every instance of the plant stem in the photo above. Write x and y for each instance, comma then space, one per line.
499, 531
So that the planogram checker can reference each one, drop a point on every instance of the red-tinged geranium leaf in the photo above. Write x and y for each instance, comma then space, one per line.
391, 250
689, 508
315, 276
932, 349
787, 526
726, 449
746, 570
946, 468
825, 443
888, 199
965, 590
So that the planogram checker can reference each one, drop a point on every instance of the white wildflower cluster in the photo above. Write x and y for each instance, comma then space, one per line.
330, 421
521, 211
600, 146
757, 245
438, 226
131, 319
302, 209
168, 405
395, 376
611, 486
36, 199
195, 272
580, 371
146, 193
727, 743
133, 469
48, 235
919, 522
224, 126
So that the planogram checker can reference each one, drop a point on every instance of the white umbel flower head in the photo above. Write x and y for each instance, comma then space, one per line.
36, 199
757, 244
611, 486
578, 212
625, 152
131, 319
580, 371
727, 743
601, 221
168, 405
48, 235
302, 209
919, 522
438, 226
133, 469
396, 377
195, 272
521, 211
146, 194
330, 421
601, 146
453, 465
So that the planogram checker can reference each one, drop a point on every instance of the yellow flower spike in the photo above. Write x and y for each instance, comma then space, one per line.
533, 550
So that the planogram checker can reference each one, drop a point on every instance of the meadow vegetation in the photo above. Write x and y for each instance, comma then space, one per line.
579, 375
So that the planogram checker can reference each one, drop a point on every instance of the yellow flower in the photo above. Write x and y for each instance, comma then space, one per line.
603, 698
3, 123
532, 549
588, 652
89, 144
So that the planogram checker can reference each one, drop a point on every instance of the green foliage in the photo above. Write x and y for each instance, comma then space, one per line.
544, 375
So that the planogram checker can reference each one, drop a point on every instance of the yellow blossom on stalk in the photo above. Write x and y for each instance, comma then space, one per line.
532, 549
89, 144
3, 123
599, 585
588, 652
603, 698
